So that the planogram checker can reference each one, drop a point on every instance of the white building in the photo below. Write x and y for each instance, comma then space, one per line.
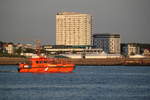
146, 52
131, 49
9, 48
69, 49
73, 28
101, 55
110, 43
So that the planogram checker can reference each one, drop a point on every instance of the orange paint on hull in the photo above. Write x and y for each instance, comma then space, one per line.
47, 65
47, 69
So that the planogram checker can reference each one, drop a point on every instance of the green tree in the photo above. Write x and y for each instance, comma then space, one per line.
29, 50
19, 50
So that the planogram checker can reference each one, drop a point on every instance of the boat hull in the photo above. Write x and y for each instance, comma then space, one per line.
47, 69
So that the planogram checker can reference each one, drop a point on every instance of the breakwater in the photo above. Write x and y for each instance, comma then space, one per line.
98, 62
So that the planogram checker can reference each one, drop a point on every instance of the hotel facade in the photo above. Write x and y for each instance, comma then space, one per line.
73, 29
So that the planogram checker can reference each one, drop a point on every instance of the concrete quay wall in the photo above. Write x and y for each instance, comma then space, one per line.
112, 62
12, 60
86, 62
97, 61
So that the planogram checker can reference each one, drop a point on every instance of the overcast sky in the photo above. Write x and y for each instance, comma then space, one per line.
28, 20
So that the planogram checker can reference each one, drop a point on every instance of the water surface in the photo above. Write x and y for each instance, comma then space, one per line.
85, 83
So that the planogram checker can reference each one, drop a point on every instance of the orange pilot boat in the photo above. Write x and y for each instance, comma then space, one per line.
48, 65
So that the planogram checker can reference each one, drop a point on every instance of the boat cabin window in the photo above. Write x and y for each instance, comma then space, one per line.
37, 62
45, 61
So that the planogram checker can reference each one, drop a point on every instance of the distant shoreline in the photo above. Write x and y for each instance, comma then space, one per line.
86, 62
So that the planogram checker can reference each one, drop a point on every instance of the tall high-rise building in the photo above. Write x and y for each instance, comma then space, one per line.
73, 29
